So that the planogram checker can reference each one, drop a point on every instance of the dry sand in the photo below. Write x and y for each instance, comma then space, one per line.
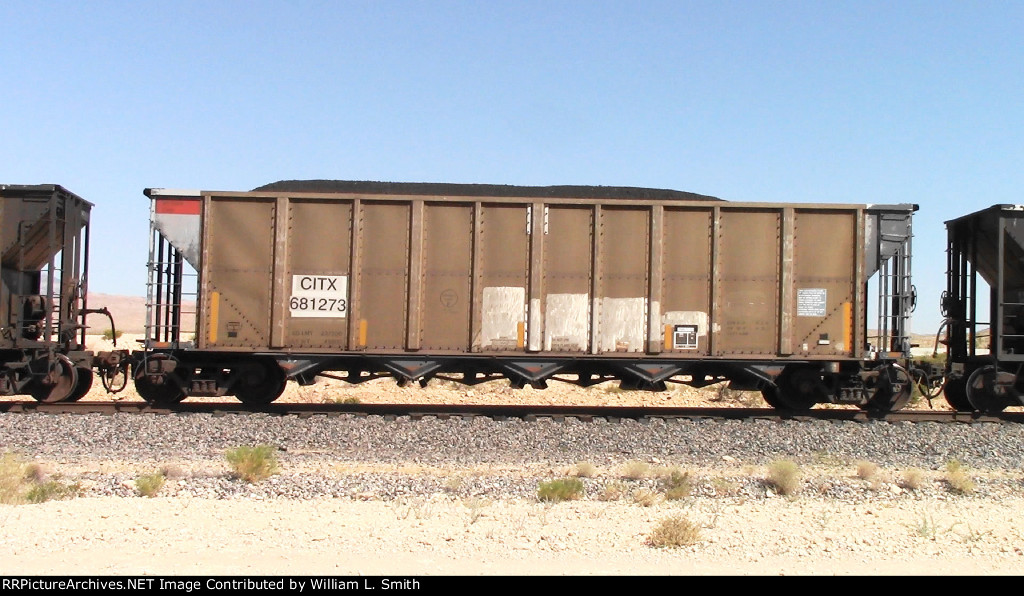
439, 536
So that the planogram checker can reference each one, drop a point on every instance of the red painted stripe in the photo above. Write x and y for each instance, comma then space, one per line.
178, 206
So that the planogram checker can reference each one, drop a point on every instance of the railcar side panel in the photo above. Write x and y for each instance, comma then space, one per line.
621, 281
383, 275
330, 274
501, 278
824, 294
318, 277
563, 315
447, 255
238, 272
747, 282
685, 305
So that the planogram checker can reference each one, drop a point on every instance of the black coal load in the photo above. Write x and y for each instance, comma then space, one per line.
481, 190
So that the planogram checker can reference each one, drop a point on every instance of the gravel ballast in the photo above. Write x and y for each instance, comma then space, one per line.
459, 495
480, 440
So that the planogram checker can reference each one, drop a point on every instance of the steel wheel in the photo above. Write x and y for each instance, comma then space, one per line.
162, 388
83, 385
795, 389
260, 383
955, 392
989, 389
162, 394
771, 396
59, 383
892, 390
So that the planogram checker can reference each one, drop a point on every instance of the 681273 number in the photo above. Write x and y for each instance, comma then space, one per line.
331, 305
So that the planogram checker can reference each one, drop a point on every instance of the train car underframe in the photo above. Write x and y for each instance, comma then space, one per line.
167, 377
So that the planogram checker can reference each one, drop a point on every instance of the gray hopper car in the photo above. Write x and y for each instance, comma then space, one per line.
985, 373
476, 283
44, 239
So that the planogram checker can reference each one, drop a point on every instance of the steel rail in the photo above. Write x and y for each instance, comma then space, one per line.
523, 412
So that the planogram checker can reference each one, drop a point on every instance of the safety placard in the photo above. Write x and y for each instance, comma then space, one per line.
319, 296
810, 302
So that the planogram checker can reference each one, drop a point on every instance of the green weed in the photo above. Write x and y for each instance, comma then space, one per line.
563, 489
149, 485
253, 464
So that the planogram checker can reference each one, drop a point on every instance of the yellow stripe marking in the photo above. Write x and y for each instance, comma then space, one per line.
521, 335
668, 338
362, 333
847, 326
214, 315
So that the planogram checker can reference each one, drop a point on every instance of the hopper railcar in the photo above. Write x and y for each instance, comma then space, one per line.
985, 373
44, 239
359, 280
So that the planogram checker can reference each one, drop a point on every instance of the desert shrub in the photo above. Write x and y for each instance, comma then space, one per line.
476, 506
52, 490
832, 460
958, 478
253, 464
646, 497
867, 470
913, 479
635, 470
454, 484
346, 401
677, 485
784, 476
110, 334
35, 472
149, 485
171, 471
13, 485
925, 527
724, 486
585, 469
563, 489
614, 491
21, 483
673, 532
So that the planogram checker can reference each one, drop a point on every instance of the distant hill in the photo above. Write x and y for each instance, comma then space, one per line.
129, 314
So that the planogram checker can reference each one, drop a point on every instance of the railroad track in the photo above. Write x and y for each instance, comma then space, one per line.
524, 412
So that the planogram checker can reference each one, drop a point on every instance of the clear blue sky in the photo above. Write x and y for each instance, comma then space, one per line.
849, 102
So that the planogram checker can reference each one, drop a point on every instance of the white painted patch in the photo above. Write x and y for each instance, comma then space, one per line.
319, 296
623, 322
535, 327
566, 320
503, 310
182, 231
